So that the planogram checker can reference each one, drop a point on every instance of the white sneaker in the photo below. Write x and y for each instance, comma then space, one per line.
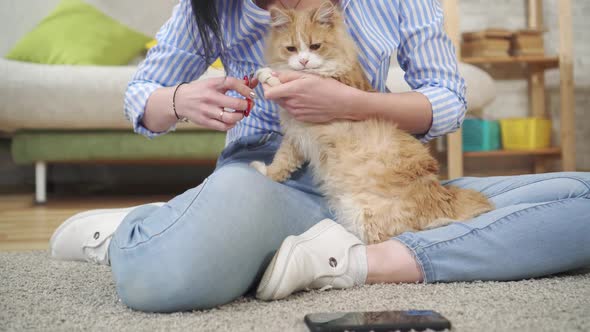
320, 258
86, 236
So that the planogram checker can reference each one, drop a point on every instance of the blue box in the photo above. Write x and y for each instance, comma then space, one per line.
481, 135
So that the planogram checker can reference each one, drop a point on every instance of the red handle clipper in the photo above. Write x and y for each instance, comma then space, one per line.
250, 101
250, 105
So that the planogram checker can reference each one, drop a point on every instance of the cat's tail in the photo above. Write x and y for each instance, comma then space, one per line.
468, 203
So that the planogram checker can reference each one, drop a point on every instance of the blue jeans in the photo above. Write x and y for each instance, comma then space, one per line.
211, 244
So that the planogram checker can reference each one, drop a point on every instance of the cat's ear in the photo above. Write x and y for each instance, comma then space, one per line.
325, 13
279, 18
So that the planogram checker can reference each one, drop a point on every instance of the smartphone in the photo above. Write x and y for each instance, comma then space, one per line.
378, 321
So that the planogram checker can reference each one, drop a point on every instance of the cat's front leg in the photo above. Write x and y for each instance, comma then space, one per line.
286, 161
265, 76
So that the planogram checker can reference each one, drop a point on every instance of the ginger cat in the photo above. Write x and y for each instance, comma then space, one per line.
379, 180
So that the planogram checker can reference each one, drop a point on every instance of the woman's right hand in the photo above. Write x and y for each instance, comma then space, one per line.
201, 101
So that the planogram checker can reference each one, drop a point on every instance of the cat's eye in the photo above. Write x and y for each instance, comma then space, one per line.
291, 48
315, 47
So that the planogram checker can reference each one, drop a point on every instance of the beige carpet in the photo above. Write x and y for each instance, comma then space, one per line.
39, 294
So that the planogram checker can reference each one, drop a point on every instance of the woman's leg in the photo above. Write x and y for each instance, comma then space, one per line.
211, 244
541, 226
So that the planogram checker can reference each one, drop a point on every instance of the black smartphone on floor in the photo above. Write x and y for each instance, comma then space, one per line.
378, 321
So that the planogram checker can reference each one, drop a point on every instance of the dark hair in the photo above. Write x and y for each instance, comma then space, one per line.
207, 19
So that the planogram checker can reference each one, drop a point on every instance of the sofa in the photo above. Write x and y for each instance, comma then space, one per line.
74, 114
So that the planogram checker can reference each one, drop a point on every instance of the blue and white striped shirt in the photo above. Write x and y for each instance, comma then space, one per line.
413, 29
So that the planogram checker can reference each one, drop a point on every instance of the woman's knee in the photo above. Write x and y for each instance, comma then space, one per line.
210, 256
540, 188
574, 184
189, 272
173, 291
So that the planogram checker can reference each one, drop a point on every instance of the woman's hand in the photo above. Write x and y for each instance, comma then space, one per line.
310, 98
203, 102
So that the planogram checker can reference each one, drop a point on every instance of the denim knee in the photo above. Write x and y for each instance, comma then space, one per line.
208, 257
158, 293
577, 182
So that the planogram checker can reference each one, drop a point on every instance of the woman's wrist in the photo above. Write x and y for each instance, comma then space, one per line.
159, 114
177, 108
355, 105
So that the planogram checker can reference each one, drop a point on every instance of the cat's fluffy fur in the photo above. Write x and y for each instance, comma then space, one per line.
379, 180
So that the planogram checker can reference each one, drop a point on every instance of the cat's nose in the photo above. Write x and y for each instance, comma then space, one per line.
303, 62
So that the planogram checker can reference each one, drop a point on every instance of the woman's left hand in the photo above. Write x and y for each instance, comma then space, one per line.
310, 98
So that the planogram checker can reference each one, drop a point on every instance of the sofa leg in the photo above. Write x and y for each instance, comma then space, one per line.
40, 182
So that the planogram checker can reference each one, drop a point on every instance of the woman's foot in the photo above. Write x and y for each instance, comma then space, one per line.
325, 256
86, 236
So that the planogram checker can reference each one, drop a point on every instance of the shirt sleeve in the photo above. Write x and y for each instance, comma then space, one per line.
176, 58
428, 57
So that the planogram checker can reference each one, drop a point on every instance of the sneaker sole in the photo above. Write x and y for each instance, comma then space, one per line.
275, 271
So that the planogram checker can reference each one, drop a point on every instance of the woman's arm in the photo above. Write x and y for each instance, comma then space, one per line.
437, 105
148, 100
311, 98
145, 100
158, 116
411, 111
428, 57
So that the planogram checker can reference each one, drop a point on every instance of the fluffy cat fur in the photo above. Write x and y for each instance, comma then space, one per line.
379, 180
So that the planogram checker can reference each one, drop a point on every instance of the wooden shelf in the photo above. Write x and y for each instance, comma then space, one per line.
532, 68
547, 152
532, 60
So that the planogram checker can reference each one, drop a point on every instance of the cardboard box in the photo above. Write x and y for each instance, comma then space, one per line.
491, 42
527, 42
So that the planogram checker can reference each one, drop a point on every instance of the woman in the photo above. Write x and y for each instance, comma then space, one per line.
212, 244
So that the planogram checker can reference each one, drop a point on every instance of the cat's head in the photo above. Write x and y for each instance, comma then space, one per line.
314, 41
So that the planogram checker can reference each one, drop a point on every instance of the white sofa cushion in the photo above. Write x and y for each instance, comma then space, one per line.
481, 89
65, 97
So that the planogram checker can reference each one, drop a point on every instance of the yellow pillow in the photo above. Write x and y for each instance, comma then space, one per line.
76, 33
151, 44
216, 65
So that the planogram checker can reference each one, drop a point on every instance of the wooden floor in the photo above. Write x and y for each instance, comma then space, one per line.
26, 226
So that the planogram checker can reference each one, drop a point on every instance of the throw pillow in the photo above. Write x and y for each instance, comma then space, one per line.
77, 33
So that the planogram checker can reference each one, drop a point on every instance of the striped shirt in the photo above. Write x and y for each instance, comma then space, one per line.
410, 29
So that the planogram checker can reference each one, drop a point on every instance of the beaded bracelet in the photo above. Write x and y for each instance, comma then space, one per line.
183, 119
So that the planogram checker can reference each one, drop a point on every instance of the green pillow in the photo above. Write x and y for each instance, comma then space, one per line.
76, 33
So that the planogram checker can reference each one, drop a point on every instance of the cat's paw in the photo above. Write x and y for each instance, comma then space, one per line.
260, 167
265, 76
